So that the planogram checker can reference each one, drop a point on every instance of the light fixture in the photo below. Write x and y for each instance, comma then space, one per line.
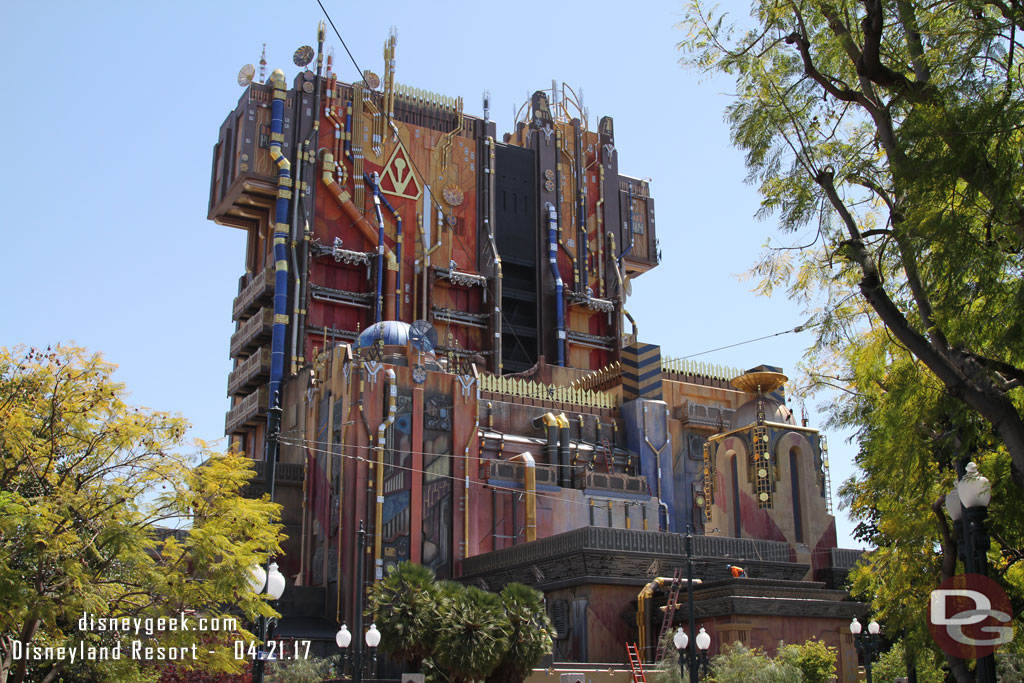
974, 489
855, 627
275, 582
703, 639
874, 628
373, 636
680, 639
344, 637
953, 505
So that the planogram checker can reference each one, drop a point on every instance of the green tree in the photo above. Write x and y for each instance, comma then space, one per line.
85, 483
892, 664
815, 660
893, 130
529, 635
408, 613
475, 637
740, 664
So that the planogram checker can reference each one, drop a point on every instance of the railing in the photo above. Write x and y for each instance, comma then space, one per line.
250, 370
547, 393
253, 294
683, 366
246, 411
252, 331
600, 379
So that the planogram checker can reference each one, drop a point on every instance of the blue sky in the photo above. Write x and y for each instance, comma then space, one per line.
113, 109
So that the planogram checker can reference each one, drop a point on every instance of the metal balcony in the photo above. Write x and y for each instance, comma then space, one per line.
259, 290
250, 373
252, 332
248, 412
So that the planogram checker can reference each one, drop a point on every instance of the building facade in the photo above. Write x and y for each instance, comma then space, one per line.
441, 317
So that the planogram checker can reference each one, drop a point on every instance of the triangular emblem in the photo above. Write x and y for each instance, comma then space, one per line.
399, 179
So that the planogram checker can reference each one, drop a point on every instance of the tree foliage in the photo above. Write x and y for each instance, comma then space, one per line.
739, 664
887, 139
86, 483
460, 633
890, 133
815, 660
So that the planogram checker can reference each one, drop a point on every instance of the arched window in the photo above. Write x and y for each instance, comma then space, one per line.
736, 521
794, 478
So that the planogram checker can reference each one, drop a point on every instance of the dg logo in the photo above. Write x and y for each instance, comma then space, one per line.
969, 616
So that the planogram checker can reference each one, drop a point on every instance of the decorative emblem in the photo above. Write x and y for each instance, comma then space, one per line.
398, 178
453, 195
549, 185
653, 568
372, 80
419, 374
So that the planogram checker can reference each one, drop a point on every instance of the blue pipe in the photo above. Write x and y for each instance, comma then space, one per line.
629, 224
398, 246
375, 184
281, 230
553, 261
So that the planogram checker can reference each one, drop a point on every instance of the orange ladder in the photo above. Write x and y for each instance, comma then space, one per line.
609, 455
635, 664
670, 612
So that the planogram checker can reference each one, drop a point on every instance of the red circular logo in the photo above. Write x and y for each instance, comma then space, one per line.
969, 616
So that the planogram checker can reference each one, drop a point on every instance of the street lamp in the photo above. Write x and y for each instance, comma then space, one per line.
867, 643
372, 641
703, 643
680, 639
343, 638
967, 505
269, 582
689, 602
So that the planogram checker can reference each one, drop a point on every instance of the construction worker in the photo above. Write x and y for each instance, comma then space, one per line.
736, 572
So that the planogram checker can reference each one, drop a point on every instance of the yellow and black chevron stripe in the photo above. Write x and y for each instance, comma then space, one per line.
641, 372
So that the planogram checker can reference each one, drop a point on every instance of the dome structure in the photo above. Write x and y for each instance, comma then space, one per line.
774, 411
391, 332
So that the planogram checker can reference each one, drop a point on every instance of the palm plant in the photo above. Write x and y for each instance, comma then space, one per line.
407, 613
529, 636
476, 637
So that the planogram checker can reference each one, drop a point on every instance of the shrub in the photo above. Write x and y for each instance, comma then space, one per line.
815, 660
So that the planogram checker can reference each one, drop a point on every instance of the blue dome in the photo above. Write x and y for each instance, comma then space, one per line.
392, 332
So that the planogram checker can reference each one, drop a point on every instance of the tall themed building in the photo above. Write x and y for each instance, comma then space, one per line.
440, 314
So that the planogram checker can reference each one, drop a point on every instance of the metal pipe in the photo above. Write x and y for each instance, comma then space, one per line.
581, 212
382, 432
397, 306
465, 459
375, 182
564, 457
530, 484
281, 227
599, 215
487, 210
553, 262
345, 201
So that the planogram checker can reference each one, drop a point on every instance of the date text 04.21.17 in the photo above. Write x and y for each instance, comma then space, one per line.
273, 650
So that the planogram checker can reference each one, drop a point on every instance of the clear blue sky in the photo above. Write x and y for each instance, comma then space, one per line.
112, 109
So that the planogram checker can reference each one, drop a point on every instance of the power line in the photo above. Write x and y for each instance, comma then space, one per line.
798, 328
340, 38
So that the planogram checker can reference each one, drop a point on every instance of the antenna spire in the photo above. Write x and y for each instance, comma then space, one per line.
263, 64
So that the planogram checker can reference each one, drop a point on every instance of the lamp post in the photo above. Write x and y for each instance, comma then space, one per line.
269, 583
703, 643
967, 505
867, 643
680, 639
357, 656
343, 638
689, 602
372, 641
270, 449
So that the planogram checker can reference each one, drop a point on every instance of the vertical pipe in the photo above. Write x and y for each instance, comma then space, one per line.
380, 248
629, 223
465, 461
599, 215
553, 262
564, 457
582, 248
281, 228
382, 431
488, 192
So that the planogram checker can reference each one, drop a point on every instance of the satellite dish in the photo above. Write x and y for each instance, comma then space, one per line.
372, 79
422, 336
245, 75
303, 56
